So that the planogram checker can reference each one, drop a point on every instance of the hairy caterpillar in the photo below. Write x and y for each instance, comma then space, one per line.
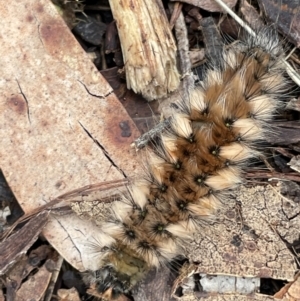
212, 136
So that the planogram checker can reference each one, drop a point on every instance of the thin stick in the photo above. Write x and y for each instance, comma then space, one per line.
142, 141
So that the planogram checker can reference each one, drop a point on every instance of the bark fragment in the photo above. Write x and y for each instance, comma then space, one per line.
148, 47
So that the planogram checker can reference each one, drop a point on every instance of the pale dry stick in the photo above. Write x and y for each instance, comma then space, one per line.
177, 7
55, 273
273, 176
295, 59
148, 47
183, 51
291, 52
268, 165
289, 69
142, 141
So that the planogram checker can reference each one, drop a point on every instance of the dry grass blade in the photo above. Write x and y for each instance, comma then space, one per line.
65, 197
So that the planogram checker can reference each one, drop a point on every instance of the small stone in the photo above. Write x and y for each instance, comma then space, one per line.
90, 30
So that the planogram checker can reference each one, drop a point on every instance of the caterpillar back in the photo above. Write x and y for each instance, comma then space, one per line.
212, 136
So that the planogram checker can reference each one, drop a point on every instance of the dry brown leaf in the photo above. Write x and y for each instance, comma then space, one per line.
68, 294
294, 290
295, 163
36, 285
62, 128
286, 15
75, 238
250, 15
291, 291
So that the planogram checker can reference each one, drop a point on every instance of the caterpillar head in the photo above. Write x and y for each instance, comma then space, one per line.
121, 272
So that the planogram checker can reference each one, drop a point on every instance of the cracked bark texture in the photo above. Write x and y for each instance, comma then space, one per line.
61, 127
249, 236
